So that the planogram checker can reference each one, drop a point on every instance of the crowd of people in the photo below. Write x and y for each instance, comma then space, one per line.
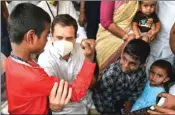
87, 57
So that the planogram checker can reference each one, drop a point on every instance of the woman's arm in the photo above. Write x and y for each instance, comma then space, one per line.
106, 19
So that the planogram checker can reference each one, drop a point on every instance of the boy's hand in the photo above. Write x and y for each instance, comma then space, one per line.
59, 96
127, 106
161, 110
89, 48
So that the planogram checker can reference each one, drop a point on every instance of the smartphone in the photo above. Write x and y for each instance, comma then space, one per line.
160, 103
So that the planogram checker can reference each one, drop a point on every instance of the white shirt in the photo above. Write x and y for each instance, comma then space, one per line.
172, 90
160, 46
54, 65
12, 4
65, 7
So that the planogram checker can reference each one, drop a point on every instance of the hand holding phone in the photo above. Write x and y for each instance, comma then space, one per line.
160, 103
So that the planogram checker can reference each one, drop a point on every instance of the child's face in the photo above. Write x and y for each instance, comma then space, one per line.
158, 76
41, 40
128, 64
147, 7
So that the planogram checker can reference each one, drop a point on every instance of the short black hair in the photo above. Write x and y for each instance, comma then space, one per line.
141, 2
26, 16
164, 65
138, 49
64, 20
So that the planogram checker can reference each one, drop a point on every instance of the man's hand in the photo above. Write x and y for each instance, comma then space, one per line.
59, 96
169, 102
89, 48
161, 110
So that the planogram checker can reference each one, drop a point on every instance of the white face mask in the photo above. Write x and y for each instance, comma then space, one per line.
63, 47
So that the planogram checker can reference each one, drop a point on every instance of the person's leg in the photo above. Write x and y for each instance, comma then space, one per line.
92, 18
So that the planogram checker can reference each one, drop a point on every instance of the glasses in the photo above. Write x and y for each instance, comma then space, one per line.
154, 73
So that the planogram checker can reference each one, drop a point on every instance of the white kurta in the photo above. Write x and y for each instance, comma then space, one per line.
54, 65
172, 90
12, 4
160, 47
65, 7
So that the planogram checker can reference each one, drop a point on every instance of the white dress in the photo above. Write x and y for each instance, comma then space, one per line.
65, 7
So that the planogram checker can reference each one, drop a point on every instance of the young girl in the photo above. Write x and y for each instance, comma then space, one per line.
146, 24
159, 74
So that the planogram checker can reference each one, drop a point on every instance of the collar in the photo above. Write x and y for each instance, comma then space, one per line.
21, 61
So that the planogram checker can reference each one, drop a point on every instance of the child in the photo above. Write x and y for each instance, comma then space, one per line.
123, 80
28, 85
159, 74
146, 23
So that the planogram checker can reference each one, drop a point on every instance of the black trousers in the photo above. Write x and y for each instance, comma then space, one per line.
92, 18
5, 41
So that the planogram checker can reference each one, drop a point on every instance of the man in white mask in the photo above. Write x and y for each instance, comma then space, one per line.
64, 57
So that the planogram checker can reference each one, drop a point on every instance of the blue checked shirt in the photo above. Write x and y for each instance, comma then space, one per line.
116, 85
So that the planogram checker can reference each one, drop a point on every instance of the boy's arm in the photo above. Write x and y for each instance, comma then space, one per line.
138, 90
135, 29
83, 80
42, 85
